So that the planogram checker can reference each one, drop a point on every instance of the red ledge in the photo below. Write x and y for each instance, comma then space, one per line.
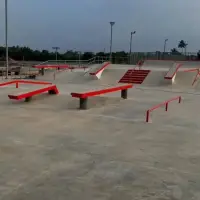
99, 92
177, 68
34, 92
103, 67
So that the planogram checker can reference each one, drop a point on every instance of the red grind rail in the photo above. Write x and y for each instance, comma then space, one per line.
177, 68
162, 104
197, 75
103, 67
25, 82
52, 66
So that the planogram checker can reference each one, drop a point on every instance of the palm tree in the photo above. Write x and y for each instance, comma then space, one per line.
182, 45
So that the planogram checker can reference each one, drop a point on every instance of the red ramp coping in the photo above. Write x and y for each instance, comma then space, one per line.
27, 95
100, 70
172, 71
83, 96
162, 104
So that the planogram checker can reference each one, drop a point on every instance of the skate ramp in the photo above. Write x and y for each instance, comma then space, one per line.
184, 79
94, 68
157, 64
156, 78
189, 64
111, 76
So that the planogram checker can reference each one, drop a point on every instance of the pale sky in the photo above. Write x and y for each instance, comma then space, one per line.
84, 24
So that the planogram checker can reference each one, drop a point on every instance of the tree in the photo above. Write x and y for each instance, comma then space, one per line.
87, 55
182, 45
174, 51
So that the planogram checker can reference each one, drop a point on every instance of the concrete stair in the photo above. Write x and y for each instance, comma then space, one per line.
134, 76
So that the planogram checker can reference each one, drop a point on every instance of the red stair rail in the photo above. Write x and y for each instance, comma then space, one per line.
162, 104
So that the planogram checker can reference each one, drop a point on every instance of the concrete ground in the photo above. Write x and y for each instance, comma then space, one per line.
51, 150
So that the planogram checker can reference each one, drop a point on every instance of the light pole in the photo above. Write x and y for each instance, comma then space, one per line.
56, 51
132, 33
111, 25
6, 36
79, 57
165, 44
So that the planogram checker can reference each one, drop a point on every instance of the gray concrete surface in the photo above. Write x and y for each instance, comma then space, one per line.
51, 150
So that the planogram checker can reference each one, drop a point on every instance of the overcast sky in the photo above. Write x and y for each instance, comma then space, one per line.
84, 24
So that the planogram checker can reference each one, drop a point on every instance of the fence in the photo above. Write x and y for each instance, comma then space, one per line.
117, 58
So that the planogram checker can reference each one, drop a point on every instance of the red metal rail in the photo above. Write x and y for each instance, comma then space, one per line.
25, 82
162, 104
197, 75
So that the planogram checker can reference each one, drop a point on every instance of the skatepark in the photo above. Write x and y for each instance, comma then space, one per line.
53, 147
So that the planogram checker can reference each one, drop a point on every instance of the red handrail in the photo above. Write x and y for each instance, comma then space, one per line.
159, 105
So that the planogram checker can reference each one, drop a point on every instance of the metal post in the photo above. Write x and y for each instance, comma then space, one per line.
111, 25
166, 107
6, 36
124, 94
83, 103
147, 116
79, 58
132, 33
56, 51
165, 43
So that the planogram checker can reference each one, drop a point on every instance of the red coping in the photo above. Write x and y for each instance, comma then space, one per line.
159, 105
103, 67
98, 92
177, 68
34, 92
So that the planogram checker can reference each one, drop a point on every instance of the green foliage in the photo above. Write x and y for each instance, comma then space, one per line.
182, 44
25, 53
174, 51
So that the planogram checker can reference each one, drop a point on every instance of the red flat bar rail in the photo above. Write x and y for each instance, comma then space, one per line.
7, 83
25, 82
51, 66
197, 75
179, 98
34, 82
98, 92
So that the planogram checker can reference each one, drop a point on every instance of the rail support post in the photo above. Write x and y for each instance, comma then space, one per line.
17, 84
52, 92
42, 71
124, 94
28, 99
83, 103
166, 107
147, 116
